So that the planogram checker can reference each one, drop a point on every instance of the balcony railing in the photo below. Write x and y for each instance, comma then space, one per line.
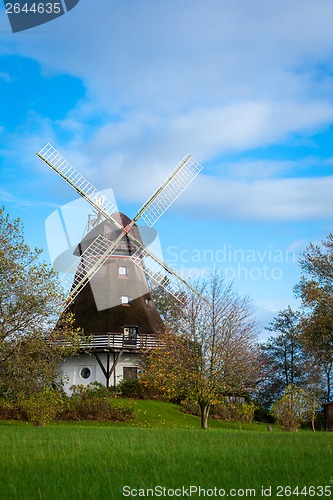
118, 342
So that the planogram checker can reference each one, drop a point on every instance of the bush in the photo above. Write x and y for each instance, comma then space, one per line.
135, 389
292, 409
247, 412
42, 407
131, 389
100, 409
234, 412
92, 390
229, 412
190, 407
10, 410
114, 391
93, 402
263, 414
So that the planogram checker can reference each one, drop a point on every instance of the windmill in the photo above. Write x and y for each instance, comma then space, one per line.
113, 237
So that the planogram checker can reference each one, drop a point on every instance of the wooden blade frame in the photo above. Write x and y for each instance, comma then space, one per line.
169, 190
151, 211
161, 274
90, 262
53, 159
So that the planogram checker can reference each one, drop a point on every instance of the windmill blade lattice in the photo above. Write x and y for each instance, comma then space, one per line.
169, 190
60, 165
96, 254
162, 274
90, 262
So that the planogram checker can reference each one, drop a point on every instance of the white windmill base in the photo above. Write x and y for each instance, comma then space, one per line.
85, 369
111, 359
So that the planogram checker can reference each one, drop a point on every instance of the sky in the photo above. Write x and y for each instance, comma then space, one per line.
124, 90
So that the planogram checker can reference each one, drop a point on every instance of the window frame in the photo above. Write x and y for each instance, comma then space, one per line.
123, 274
125, 300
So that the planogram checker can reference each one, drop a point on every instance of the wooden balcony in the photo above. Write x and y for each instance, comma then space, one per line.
116, 342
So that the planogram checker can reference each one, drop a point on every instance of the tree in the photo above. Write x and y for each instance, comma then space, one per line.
169, 308
31, 348
211, 352
283, 356
316, 291
295, 407
317, 339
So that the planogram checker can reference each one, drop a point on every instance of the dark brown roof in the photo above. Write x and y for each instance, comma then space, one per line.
109, 287
110, 231
112, 320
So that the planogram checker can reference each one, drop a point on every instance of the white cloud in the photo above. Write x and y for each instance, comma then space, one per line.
297, 246
170, 56
266, 311
246, 191
295, 199
218, 79
5, 77
205, 77
10, 199
201, 133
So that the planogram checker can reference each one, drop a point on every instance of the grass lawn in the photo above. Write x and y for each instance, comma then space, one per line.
161, 447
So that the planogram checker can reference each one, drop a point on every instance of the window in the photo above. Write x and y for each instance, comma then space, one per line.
85, 373
130, 372
122, 271
125, 300
130, 335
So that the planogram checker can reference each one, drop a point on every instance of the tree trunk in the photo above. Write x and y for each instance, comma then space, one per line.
204, 412
328, 386
328, 382
313, 423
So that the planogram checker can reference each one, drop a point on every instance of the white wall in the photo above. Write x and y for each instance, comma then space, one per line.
72, 369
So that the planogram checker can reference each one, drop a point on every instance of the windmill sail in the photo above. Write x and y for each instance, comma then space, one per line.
96, 254
169, 190
161, 274
90, 262
83, 187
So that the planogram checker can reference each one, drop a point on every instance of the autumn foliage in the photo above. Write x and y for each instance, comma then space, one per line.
210, 351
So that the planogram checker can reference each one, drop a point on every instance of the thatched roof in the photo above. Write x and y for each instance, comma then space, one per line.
107, 287
110, 231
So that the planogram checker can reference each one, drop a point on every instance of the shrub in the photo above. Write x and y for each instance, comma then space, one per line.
42, 407
136, 389
246, 412
94, 389
96, 408
114, 391
234, 412
93, 402
263, 414
292, 409
190, 407
9, 410
221, 410
131, 389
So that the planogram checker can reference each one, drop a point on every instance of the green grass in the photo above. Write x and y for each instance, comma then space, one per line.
92, 461
159, 414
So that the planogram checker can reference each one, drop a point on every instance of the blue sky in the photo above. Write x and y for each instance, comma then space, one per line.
124, 90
